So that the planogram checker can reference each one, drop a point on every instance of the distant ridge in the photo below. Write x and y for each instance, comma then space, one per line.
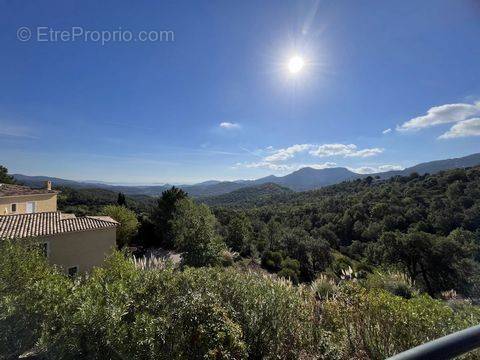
435, 166
308, 178
303, 179
248, 194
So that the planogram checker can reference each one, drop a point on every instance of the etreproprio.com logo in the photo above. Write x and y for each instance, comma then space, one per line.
80, 34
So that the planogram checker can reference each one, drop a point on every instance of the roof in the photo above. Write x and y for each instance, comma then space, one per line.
18, 190
49, 223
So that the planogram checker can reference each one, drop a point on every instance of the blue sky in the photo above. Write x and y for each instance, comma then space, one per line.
217, 101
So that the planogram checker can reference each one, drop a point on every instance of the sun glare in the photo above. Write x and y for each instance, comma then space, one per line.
295, 64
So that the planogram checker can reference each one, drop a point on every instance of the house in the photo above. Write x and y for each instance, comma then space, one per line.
16, 199
76, 244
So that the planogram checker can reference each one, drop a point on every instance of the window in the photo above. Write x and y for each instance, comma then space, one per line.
45, 249
14, 207
72, 271
30, 207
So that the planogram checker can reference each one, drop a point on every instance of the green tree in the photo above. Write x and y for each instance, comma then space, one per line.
313, 254
4, 177
162, 215
121, 200
440, 263
275, 234
290, 270
32, 292
128, 223
194, 234
239, 233
272, 260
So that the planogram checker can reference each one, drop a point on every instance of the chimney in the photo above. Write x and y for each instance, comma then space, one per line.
48, 185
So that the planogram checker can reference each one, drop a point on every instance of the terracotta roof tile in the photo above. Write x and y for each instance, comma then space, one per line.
48, 223
16, 190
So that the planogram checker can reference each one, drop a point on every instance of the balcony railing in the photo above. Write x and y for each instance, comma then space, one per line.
447, 347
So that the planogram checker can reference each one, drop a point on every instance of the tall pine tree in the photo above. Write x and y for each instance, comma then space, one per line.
4, 177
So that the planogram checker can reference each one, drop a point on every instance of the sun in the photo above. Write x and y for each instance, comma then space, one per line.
295, 64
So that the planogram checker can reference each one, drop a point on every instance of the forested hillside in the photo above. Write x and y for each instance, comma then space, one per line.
247, 196
90, 201
425, 225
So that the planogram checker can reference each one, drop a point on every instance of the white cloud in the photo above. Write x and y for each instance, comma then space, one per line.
464, 128
365, 152
382, 168
349, 150
287, 153
443, 114
386, 131
375, 169
283, 167
332, 150
275, 157
229, 125
325, 165
324, 150
265, 165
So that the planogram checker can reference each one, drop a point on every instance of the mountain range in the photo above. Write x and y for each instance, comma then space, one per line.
303, 179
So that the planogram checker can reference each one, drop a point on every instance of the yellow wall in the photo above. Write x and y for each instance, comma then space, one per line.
43, 203
84, 249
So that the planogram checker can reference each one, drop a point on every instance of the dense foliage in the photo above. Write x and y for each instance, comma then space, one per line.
123, 312
193, 228
4, 177
128, 223
161, 216
91, 201
248, 196
427, 226
370, 264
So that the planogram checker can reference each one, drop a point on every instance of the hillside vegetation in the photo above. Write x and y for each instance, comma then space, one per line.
427, 226
90, 201
359, 270
248, 196
424, 225
121, 311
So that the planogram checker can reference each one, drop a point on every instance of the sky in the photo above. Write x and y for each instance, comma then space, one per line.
187, 91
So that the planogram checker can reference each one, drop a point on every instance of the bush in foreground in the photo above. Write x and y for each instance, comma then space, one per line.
121, 312
376, 324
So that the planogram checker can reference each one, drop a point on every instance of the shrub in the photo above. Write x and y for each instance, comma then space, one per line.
31, 292
289, 274
396, 283
272, 260
324, 288
375, 324
279, 320
122, 312
340, 264
290, 269
227, 257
